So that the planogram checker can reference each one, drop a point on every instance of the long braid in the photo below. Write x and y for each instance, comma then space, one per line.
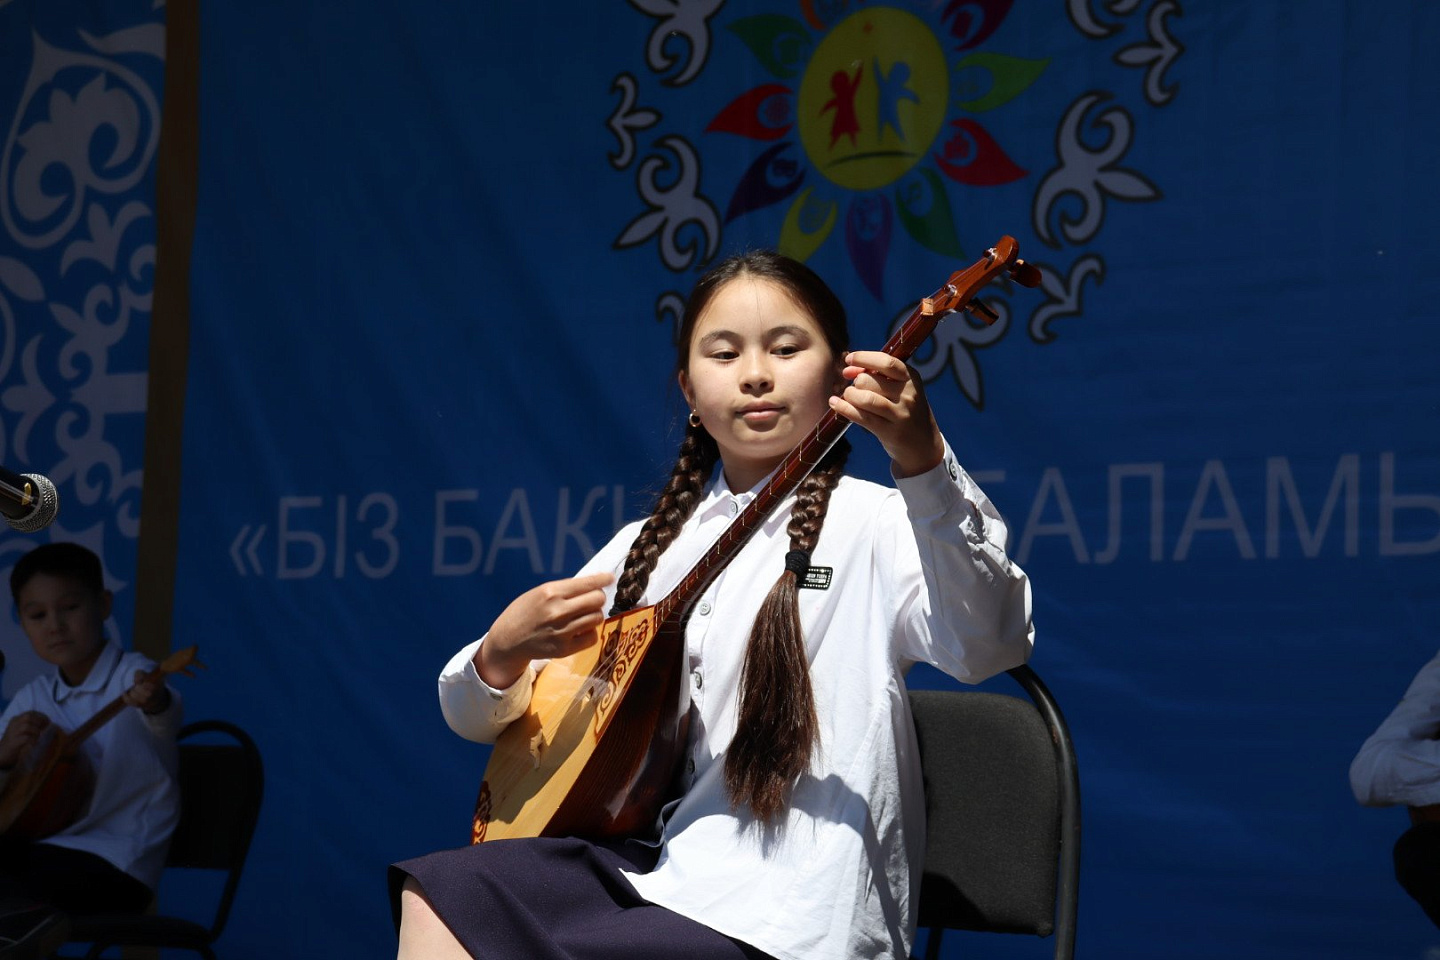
693, 466
777, 727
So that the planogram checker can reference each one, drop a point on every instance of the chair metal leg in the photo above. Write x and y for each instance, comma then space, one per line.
932, 943
1068, 879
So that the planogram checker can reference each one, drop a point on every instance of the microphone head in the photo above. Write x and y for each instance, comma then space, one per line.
47, 504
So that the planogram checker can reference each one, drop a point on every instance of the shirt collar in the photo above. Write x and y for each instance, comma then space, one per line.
96, 681
719, 501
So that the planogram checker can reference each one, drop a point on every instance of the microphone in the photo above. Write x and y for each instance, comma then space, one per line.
27, 501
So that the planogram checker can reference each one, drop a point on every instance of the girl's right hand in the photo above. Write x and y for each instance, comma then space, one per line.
22, 734
552, 620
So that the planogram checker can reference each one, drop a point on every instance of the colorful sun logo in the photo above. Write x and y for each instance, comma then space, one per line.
868, 111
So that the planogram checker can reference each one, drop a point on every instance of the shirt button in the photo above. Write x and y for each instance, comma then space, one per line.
696, 679
954, 471
733, 507
704, 608
690, 766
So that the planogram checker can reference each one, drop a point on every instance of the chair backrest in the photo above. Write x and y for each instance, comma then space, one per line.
221, 786
1002, 801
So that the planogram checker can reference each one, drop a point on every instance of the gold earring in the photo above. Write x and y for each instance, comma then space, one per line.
694, 419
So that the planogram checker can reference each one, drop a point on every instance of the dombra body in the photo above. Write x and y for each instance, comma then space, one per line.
548, 774
48, 791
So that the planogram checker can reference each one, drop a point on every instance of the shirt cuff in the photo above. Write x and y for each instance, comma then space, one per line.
485, 709
946, 491
167, 721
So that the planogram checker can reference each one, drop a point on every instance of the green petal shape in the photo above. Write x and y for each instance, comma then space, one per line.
807, 224
1009, 77
925, 213
780, 43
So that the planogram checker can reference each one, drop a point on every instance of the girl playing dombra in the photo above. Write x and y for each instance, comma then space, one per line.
800, 831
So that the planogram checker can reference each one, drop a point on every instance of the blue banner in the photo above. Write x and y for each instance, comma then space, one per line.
436, 269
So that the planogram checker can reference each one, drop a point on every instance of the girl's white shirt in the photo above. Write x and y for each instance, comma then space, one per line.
918, 573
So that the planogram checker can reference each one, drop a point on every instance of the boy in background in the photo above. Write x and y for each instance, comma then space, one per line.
110, 858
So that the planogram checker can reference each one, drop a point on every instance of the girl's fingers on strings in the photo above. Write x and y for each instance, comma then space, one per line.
879, 365
563, 601
587, 607
584, 589
542, 621
867, 405
878, 384
845, 406
580, 626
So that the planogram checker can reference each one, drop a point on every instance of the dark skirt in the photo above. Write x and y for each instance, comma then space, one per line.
74, 881
556, 899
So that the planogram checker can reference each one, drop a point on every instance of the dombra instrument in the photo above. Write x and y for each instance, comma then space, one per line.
51, 788
597, 752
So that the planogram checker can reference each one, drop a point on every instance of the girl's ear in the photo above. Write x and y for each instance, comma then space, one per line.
685, 389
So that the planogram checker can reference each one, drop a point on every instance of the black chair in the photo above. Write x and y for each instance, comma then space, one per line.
221, 785
1002, 802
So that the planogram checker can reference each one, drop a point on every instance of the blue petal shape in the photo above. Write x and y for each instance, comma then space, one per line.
868, 225
771, 178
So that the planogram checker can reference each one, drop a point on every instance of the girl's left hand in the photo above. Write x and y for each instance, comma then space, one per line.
886, 397
149, 695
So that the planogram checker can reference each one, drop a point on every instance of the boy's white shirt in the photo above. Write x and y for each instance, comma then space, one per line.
137, 799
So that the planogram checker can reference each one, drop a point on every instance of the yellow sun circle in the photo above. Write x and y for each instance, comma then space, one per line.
873, 98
